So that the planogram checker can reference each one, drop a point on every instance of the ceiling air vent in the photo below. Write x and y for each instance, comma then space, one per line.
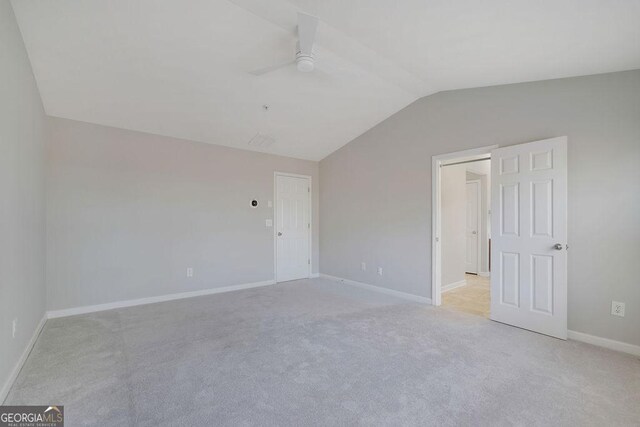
261, 141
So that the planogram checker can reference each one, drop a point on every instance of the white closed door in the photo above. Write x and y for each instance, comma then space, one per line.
293, 228
473, 225
529, 236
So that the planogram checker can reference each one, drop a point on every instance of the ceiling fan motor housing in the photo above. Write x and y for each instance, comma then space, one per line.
304, 63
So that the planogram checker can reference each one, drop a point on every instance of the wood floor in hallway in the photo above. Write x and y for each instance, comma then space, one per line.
472, 298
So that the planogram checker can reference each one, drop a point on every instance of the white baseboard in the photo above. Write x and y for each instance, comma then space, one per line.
604, 342
314, 275
484, 274
379, 289
16, 369
453, 285
150, 300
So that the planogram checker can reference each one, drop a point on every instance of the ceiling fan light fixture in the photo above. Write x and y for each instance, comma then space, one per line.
304, 63
304, 60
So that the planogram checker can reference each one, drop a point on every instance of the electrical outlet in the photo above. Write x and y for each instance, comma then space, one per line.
363, 266
189, 271
380, 271
14, 326
617, 308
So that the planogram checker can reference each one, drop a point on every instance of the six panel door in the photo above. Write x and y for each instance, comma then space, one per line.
529, 236
293, 222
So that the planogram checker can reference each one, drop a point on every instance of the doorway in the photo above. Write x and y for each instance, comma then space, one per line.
464, 233
526, 233
292, 212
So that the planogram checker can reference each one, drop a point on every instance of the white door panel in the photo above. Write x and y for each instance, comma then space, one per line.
293, 222
529, 281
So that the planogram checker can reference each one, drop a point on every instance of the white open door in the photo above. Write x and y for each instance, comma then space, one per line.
293, 227
529, 236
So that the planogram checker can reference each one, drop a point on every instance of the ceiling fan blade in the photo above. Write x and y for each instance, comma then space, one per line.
307, 26
271, 68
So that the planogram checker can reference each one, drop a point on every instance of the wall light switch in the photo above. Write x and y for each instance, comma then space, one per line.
363, 266
380, 271
190, 272
269, 223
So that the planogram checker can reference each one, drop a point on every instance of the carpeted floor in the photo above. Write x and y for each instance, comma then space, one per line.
315, 352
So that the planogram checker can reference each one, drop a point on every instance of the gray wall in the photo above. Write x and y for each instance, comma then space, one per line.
376, 190
453, 223
22, 232
128, 212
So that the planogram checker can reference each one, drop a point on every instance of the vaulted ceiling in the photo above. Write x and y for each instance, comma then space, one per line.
182, 68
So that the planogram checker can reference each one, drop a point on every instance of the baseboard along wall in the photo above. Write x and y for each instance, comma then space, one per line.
52, 314
150, 300
378, 289
453, 285
605, 342
18, 366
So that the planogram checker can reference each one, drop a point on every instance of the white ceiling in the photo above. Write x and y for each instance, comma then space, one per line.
180, 67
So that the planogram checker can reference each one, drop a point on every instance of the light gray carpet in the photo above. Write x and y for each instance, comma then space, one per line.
315, 352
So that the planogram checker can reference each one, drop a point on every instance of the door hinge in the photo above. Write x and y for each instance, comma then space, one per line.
308, 189
309, 261
309, 225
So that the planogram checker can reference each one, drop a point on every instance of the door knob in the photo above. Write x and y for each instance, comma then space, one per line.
474, 232
557, 246
279, 233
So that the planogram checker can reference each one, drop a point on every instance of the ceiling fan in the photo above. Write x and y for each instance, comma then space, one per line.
304, 60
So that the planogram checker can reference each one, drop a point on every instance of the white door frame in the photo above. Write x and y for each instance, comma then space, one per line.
276, 174
479, 231
436, 220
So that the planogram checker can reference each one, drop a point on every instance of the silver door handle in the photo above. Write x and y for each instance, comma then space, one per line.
474, 232
557, 246
279, 233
